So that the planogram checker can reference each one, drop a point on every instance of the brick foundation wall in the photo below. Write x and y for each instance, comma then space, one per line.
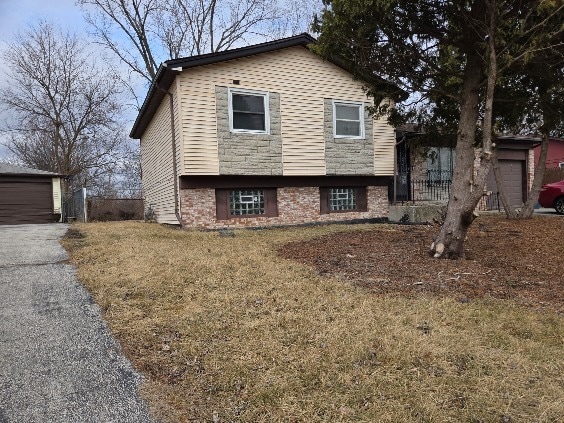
296, 205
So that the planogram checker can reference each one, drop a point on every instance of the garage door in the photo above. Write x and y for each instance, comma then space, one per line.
26, 201
512, 172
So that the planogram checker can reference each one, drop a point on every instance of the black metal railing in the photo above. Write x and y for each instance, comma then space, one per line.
433, 190
438, 175
490, 201
420, 190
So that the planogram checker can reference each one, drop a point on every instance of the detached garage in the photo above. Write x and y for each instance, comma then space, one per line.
29, 195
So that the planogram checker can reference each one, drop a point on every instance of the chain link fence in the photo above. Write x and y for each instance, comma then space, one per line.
74, 206
78, 207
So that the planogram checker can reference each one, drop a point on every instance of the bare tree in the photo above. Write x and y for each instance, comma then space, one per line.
66, 107
156, 30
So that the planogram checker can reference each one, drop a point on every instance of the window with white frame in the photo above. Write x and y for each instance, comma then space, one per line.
245, 202
348, 120
248, 111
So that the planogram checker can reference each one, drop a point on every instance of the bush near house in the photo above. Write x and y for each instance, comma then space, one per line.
102, 209
368, 328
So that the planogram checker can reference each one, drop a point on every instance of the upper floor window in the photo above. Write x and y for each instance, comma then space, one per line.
348, 120
248, 111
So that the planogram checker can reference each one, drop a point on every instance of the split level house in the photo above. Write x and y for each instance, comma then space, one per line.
269, 134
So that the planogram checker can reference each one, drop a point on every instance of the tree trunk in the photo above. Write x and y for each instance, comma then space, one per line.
533, 197
467, 188
507, 207
450, 240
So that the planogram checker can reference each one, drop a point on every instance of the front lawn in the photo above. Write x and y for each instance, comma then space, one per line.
272, 326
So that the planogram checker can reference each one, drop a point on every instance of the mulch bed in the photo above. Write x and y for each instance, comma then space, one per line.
517, 260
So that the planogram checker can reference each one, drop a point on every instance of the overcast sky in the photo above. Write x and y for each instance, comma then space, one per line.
16, 15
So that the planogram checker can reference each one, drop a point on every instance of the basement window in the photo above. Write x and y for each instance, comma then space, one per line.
343, 199
246, 202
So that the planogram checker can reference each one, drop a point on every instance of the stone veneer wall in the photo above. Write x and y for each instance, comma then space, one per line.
245, 153
296, 205
345, 156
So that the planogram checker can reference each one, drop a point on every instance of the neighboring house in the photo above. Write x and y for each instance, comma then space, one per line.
269, 134
555, 154
29, 195
425, 173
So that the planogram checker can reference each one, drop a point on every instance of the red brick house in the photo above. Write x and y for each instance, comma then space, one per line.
269, 134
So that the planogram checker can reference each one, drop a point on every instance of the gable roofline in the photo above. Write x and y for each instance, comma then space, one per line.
168, 70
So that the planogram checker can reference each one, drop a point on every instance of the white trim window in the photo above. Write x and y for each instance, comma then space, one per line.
248, 111
348, 120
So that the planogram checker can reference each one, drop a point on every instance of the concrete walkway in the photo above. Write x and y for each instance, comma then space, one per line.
58, 361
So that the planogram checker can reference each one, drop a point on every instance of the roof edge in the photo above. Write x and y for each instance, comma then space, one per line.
7, 169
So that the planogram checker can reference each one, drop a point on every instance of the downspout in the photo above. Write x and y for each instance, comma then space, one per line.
396, 165
173, 138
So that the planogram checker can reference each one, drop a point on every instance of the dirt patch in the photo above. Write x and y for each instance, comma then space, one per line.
518, 260
74, 234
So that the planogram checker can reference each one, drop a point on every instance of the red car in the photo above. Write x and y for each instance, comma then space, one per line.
552, 196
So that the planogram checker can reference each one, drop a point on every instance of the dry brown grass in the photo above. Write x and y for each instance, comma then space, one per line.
226, 330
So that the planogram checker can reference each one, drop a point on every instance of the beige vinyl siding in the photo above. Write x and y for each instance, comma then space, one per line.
384, 145
198, 123
156, 162
303, 81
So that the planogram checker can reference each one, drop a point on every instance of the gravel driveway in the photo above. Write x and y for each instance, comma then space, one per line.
58, 361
